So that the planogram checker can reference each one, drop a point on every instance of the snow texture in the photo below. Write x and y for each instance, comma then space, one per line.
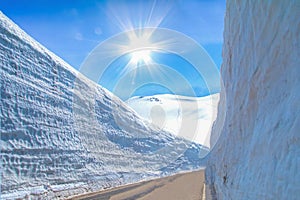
62, 134
188, 117
257, 154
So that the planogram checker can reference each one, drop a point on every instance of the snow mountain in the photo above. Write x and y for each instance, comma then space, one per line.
62, 134
188, 117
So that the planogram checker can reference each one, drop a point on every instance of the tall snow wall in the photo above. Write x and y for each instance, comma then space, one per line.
258, 153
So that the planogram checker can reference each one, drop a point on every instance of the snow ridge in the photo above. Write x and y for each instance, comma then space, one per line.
179, 115
62, 134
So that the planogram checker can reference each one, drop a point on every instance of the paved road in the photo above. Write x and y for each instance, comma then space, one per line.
186, 186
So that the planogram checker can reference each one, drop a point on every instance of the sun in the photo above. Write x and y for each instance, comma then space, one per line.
141, 56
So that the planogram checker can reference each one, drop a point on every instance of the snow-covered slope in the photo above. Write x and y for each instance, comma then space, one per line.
62, 134
188, 117
258, 153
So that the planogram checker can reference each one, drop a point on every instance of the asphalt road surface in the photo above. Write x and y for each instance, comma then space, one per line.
185, 186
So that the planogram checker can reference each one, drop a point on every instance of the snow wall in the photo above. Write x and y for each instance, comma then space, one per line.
258, 153
60, 132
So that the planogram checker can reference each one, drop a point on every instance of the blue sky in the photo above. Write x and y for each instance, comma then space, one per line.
73, 28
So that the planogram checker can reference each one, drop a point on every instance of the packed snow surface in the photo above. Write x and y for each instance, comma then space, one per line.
188, 117
62, 134
257, 155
